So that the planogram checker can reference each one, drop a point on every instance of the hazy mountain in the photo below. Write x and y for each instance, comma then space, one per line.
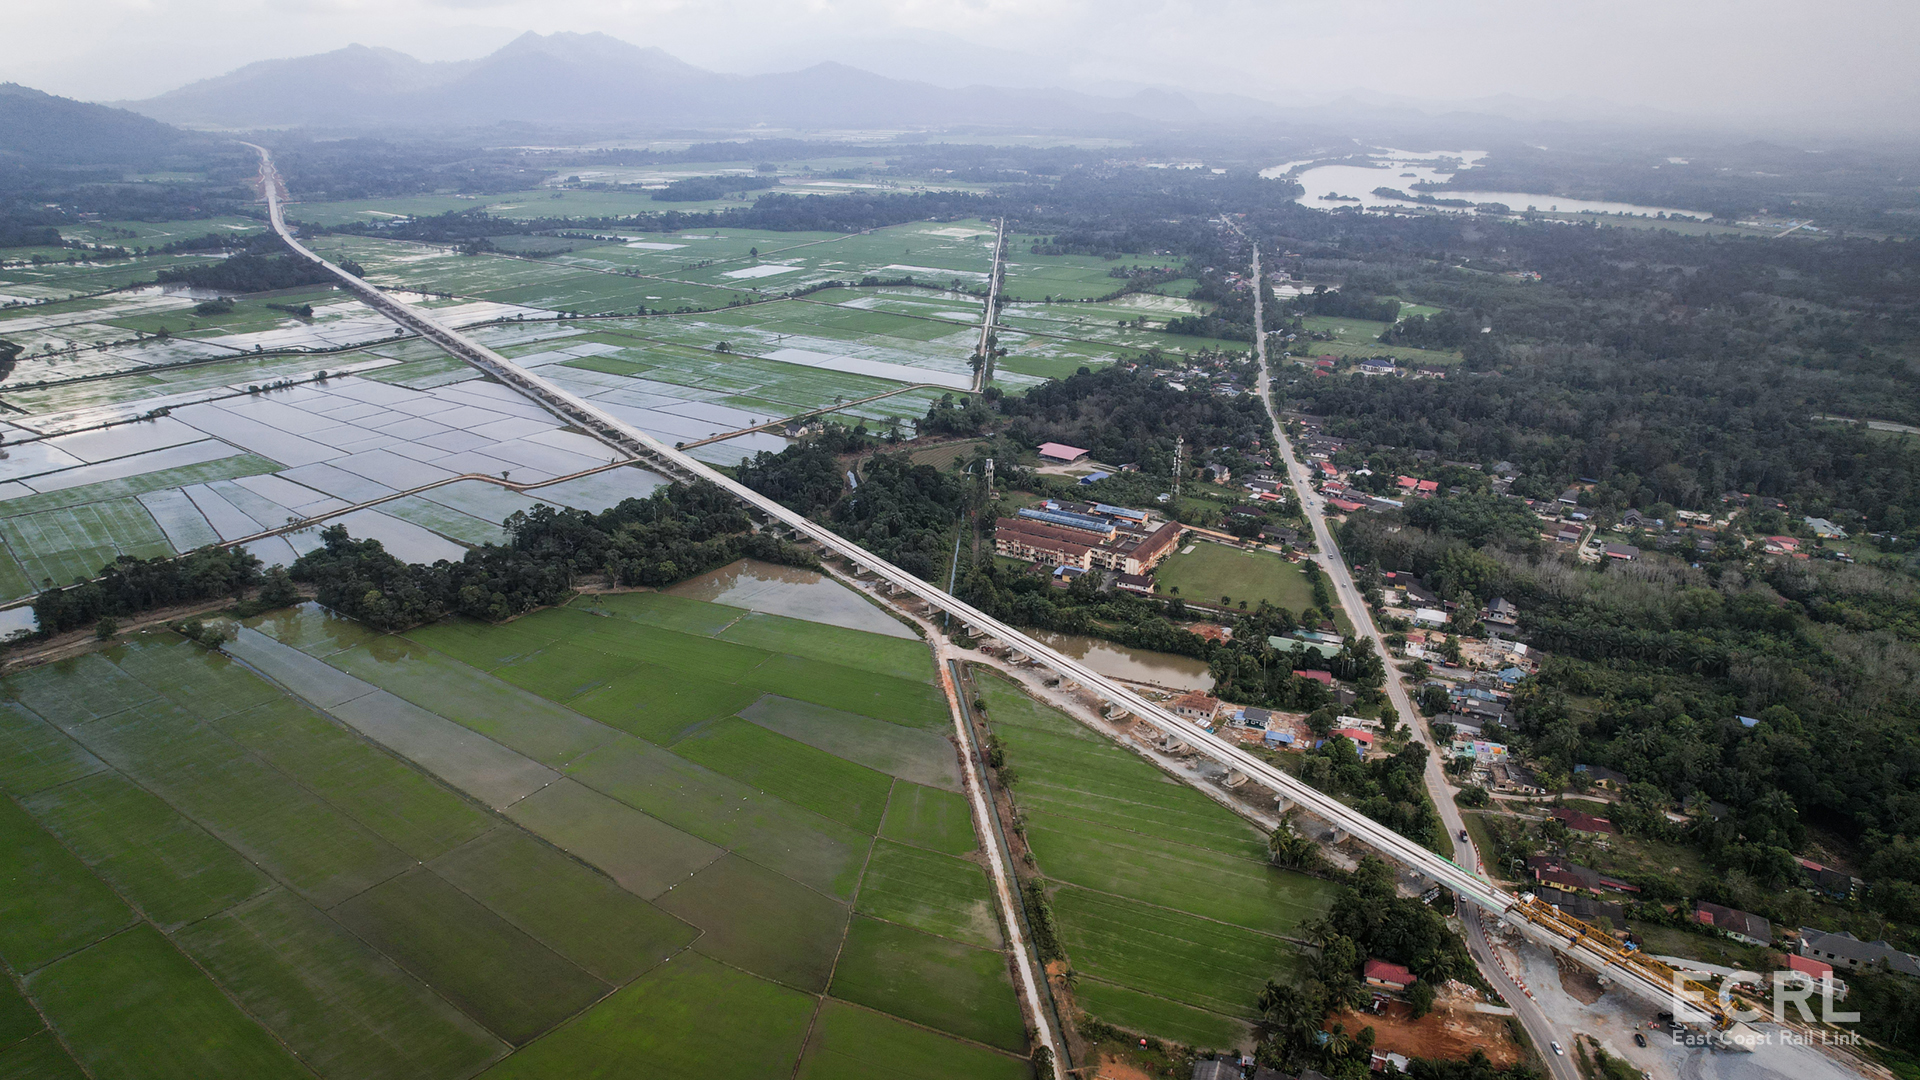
593, 79
60, 130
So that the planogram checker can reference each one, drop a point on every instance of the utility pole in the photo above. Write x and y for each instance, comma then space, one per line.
1179, 459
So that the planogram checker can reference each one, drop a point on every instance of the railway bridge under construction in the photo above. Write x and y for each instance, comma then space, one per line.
1691, 1003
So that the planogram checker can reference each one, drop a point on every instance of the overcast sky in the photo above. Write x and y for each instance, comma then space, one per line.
1846, 62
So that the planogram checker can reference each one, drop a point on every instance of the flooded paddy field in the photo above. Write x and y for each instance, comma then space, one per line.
139, 423
620, 831
227, 464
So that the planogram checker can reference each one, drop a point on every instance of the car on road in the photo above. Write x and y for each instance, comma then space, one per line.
1557, 1050
1463, 836
1639, 1039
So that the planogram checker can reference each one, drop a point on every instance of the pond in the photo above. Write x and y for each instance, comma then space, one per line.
790, 591
1133, 665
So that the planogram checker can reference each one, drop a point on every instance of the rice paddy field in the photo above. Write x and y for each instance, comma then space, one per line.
134, 424
643, 835
1167, 905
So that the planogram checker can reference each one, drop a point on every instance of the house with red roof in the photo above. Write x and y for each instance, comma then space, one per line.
1386, 975
1346, 506
1325, 678
1359, 738
1819, 969
1427, 487
1586, 823
1061, 452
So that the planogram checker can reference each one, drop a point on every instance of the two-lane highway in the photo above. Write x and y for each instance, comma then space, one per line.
1529, 1013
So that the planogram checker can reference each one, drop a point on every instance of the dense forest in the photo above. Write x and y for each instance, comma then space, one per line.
1672, 369
1126, 416
677, 532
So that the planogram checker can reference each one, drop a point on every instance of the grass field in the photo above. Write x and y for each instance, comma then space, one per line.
1211, 571
1361, 337
1166, 901
305, 872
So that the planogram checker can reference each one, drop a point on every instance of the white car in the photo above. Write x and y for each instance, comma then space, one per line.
1557, 1050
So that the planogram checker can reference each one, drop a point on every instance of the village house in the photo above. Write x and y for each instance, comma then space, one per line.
1584, 905
1554, 870
1739, 925
1501, 612
1584, 822
1820, 973
1834, 883
1363, 740
1844, 950
1510, 778
1386, 975
1195, 705
1601, 776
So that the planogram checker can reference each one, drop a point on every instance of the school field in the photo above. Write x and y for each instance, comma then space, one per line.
1210, 571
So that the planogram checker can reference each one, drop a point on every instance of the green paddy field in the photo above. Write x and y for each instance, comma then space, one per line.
654, 837
1167, 905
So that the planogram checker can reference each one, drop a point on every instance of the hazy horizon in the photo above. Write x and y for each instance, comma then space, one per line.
1844, 67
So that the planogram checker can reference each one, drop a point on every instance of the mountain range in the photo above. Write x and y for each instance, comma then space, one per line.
43, 128
597, 80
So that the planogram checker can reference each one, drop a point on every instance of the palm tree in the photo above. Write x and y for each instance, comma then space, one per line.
1338, 1044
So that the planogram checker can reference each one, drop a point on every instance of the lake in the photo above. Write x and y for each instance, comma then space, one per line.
1400, 170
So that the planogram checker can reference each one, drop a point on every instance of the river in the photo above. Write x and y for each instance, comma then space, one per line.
1400, 170
1134, 665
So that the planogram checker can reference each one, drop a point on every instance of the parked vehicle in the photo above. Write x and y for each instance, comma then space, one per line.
1639, 1039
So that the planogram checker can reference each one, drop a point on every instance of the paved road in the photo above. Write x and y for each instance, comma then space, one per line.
985, 375
1531, 1017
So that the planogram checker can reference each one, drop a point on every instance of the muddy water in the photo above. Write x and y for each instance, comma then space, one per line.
1134, 665
789, 591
